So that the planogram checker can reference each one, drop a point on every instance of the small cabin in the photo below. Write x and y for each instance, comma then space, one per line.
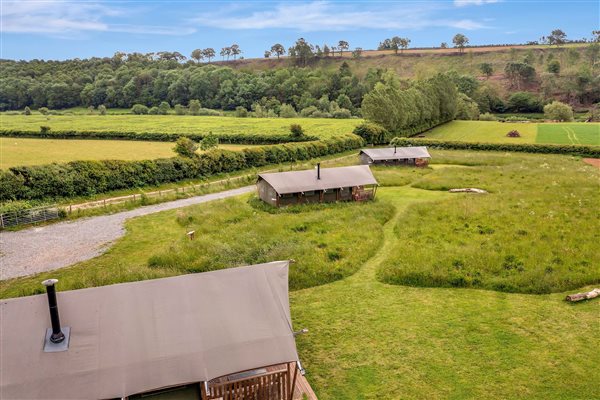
354, 183
216, 335
417, 156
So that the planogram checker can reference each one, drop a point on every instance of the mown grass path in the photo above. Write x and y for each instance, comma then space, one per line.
370, 340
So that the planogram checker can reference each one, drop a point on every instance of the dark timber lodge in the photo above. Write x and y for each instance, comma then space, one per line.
355, 183
417, 156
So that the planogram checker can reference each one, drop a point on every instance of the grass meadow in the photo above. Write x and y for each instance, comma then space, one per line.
181, 124
531, 132
20, 151
375, 331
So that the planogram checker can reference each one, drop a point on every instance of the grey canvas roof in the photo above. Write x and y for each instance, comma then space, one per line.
400, 154
331, 178
134, 337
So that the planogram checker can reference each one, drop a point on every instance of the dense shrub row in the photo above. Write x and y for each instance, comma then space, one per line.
410, 108
240, 138
81, 178
575, 150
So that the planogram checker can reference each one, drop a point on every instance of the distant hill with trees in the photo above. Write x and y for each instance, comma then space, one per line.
309, 80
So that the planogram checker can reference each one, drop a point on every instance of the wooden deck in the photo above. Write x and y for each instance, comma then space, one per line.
269, 383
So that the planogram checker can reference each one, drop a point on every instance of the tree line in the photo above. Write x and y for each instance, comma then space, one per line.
123, 81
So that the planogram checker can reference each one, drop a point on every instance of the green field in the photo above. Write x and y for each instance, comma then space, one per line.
531, 132
569, 133
179, 124
17, 151
409, 339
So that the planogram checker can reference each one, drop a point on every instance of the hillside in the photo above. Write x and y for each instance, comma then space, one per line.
570, 73
574, 59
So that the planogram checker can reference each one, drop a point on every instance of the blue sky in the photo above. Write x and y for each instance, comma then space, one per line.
54, 29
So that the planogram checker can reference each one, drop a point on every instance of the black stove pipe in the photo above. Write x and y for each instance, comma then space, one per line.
57, 335
318, 170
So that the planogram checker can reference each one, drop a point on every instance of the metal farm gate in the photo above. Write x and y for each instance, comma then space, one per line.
29, 216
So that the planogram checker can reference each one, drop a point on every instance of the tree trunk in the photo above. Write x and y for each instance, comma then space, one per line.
583, 296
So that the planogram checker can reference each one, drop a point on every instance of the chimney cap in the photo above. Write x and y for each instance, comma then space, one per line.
50, 282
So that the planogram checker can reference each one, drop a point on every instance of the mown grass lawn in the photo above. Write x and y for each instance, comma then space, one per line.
371, 340
531, 132
182, 124
580, 133
20, 151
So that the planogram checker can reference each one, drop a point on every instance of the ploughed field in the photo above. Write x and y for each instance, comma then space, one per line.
180, 124
421, 293
25, 151
581, 133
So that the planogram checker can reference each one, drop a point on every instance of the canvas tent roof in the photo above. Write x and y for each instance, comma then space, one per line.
331, 178
400, 154
134, 337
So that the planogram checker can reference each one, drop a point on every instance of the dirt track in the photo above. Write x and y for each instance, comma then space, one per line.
38, 249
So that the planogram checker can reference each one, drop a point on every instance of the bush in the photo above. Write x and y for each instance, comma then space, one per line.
209, 142
342, 113
139, 109
180, 110
553, 67
27, 111
194, 107
296, 130
164, 108
153, 111
102, 109
287, 111
308, 111
487, 117
558, 111
185, 147
372, 133
524, 102
43, 110
44, 130
241, 112
83, 178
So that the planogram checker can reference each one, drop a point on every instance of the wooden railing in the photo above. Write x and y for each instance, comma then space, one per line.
268, 386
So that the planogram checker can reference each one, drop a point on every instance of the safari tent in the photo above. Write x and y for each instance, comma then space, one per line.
417, 156
354, 183
204, 335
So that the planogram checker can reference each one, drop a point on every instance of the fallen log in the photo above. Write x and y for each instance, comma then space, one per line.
468, 190
583, 296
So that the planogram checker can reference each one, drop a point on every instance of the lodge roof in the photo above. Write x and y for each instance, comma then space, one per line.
331, 178
398, 153
135, 337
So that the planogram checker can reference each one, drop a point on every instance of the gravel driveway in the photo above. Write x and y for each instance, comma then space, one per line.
39, 249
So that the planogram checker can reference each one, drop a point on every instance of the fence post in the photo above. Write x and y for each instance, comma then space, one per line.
2, 221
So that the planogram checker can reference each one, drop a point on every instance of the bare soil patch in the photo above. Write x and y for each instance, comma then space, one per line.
592, 161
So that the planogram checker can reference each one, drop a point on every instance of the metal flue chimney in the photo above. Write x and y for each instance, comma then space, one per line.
318, 170
57, 335
394, 149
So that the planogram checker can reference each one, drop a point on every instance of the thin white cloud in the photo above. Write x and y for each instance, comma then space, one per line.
464, 3
57, 17
326, 16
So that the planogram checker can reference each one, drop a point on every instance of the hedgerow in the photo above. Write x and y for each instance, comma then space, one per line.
574, 150
239, 138
82, 178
